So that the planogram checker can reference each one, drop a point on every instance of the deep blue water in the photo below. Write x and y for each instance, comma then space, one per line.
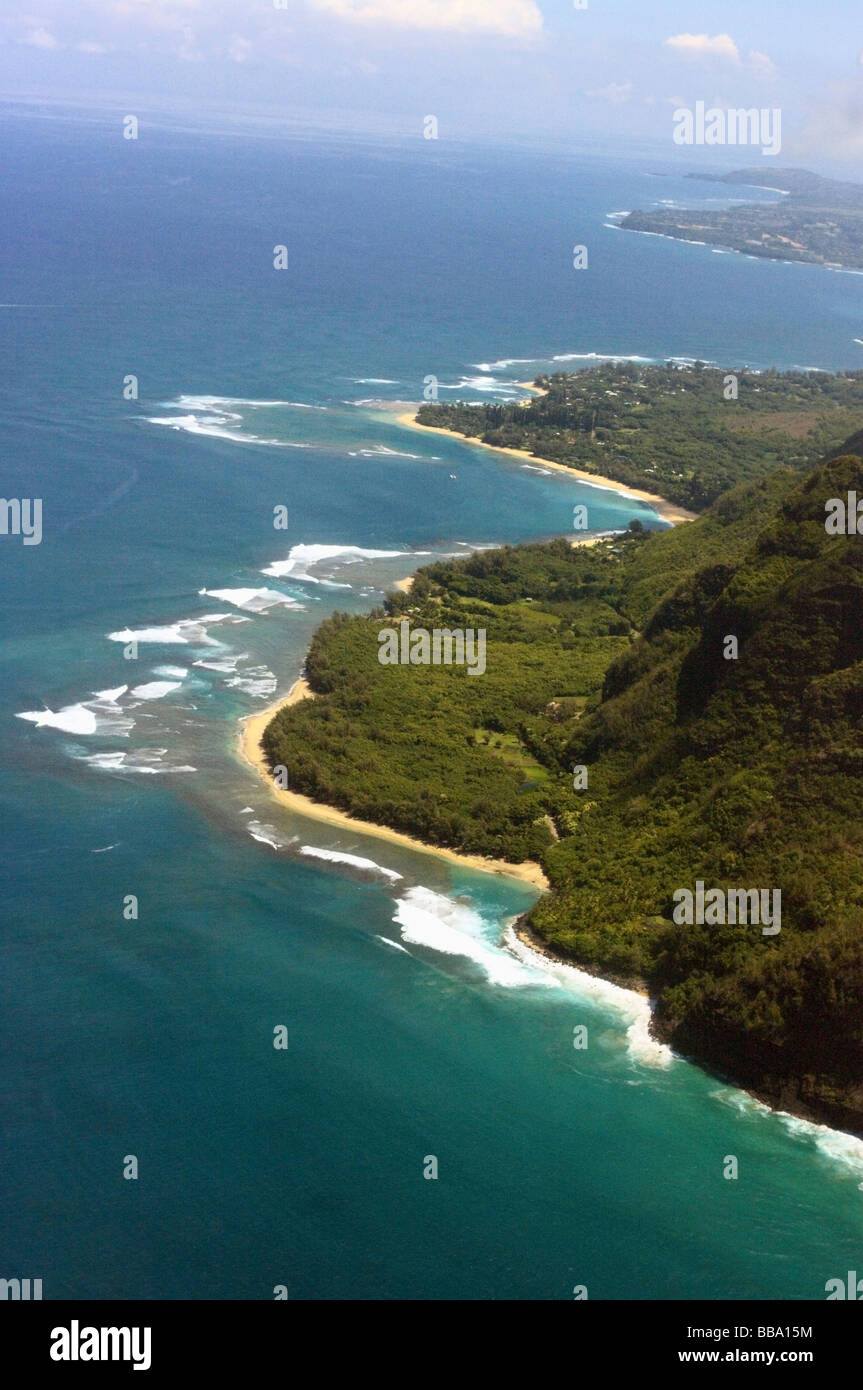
153, 1037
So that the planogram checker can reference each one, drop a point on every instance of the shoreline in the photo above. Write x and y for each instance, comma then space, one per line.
249, 746
528, 937
782, 1106
668, 511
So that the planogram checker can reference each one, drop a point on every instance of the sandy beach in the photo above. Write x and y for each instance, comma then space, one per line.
669, 511
252, 729
251, 732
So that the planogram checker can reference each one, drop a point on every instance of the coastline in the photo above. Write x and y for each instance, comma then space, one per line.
528, 937
669, 511
249, 745
786, 1106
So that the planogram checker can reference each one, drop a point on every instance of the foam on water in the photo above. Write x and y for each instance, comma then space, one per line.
267, 835
303, 558
206, 402
843, 1149
353, 860
225, 665
99, 715
254, 600
633, 1008
183, 633
142, 761
486, 385
155, 690
429, 919
381, 451
505, 363
258, 681
214, 425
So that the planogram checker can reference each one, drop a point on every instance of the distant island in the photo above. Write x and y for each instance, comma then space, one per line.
612, 741
669, 430
819, 220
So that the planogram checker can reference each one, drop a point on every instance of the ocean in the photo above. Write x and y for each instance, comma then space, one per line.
162, 916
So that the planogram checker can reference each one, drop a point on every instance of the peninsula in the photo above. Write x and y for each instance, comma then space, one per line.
816, 220
676, 436
612, 741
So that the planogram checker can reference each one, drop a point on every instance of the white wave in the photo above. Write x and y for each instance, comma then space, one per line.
834, 1144
110, 697
381, 451
208, 402
600, 357
267, 835
633, 1008
223, 664
388, 941
141, 761
171, 672
533, 468
214, 425
505, 363
187, 630
303, 558
99, 715
212, 415
73, 719
429, 919
255, 600
843, 1148
487, 385
257, 681
103, 849
155, 690
354, 860
627, 496
374, 381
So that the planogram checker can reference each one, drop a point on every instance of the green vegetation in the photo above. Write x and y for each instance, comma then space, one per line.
820, 221
742, 773
669, 429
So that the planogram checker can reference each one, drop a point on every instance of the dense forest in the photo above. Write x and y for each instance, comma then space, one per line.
742, 772
670, 429
820, 221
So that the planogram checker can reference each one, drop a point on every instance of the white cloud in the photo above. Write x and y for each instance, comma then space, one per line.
511, 18
761, 62
834, 125
615, 92
720, 46
704, 46
88, 46
40, 38
239, 49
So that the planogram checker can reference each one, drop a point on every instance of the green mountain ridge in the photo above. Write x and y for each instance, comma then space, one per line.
741, 773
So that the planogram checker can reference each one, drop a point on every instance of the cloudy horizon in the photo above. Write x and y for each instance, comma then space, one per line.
516, 71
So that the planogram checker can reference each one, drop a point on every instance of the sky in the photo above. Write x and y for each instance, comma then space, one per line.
606, 72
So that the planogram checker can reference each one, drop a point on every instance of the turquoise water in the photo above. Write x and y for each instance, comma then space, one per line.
414, 1029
